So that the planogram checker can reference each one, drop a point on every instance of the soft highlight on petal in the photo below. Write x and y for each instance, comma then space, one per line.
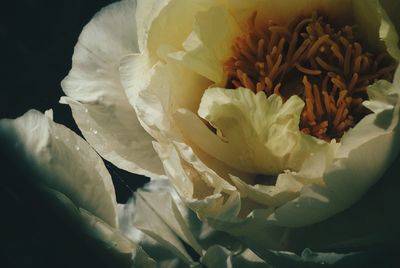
96, 96
63, 161
261, 135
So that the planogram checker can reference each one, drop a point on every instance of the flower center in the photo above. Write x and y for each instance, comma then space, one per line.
328, 68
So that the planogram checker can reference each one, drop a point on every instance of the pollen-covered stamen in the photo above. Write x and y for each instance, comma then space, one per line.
326, 67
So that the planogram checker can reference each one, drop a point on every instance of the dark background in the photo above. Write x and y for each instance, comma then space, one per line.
37, 38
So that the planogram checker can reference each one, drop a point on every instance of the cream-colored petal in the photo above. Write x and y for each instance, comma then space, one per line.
63, 161
163, 88
391, 7
221, 257
119, 248
269, 196
209, 45
149, 221
93, 85
195, 134
194, 186
375, 26
254, 128
148, 106
166, 208
107, 234
146, 11
176, 16
116, 136
282, 12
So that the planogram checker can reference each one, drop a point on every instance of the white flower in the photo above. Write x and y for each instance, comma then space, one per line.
69, 171
166, 59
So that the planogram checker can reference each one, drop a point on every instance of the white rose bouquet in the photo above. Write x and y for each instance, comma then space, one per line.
270, 130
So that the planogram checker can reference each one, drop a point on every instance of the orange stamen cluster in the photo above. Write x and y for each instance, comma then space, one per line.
327, 68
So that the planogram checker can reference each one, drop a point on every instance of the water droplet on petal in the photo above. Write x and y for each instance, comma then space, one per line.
94, 131
77, 148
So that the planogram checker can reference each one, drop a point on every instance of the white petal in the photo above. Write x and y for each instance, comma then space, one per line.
146, 12
108, 235
253, 129
148, 220
177, 16
119, 249
162, 88
63, 161
282, 11
207, 46
93, 85
220, 257
193, 181
269, 196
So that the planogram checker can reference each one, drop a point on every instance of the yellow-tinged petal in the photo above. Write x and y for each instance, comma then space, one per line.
261, 135
206, 47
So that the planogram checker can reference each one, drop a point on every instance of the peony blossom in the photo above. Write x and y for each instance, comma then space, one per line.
271, 119
164, 88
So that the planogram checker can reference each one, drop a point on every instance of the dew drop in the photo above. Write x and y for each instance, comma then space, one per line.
94, 131
77, 148
56, 137
86, 110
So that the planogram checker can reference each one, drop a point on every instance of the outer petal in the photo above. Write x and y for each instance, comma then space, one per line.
163, 218
63, 161
153, 96
220, 257
162, 205
96, 97
104, 239
204, 191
